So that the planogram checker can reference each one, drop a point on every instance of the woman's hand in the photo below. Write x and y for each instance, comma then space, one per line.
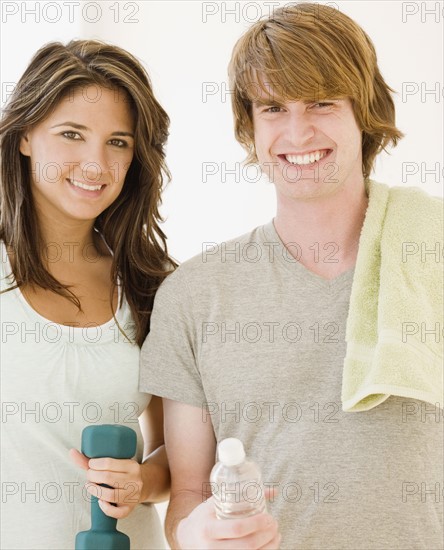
124, 476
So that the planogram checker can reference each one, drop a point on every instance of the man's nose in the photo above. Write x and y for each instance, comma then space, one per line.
299, 129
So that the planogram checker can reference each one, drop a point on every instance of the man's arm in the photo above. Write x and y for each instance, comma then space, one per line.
155, 471
191, 448
191, 522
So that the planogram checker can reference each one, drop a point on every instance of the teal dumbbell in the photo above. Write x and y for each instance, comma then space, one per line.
97, 442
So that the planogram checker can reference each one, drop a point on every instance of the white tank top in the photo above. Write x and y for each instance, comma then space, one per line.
54, 381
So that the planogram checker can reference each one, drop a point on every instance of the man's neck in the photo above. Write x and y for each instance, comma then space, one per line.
326, 230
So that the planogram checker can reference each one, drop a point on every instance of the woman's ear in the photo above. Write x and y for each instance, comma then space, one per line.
25, 148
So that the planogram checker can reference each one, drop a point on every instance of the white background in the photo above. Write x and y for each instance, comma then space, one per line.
186, 46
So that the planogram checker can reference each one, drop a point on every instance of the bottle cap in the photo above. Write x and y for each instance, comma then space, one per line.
231, 451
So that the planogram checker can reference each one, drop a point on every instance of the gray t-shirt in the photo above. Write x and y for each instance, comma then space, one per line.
248, 333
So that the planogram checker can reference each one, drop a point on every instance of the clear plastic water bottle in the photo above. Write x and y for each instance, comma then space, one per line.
236, 483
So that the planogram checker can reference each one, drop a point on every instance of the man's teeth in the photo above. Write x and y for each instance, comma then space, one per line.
84, 186
306, 159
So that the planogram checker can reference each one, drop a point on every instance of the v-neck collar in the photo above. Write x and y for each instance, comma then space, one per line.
284, 257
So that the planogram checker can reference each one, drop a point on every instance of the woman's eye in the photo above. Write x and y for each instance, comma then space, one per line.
71, 135
118, 142
273, 109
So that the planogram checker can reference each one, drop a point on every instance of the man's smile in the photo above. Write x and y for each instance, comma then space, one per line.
305, 159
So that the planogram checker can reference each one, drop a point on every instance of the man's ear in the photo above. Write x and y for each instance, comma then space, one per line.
25, 148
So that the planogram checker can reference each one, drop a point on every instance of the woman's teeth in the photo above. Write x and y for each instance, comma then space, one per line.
84, 186
306, 159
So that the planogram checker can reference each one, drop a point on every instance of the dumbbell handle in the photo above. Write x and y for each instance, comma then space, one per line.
99, 520
112, 441
95, 444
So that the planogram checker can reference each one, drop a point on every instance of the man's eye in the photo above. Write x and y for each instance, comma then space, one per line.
323, 104
71, 135
273, 109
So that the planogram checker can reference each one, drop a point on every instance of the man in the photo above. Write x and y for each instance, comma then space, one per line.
248, 340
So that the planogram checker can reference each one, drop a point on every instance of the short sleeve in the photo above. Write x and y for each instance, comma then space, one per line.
168, 364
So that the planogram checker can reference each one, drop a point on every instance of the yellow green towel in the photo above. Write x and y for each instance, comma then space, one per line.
394, 329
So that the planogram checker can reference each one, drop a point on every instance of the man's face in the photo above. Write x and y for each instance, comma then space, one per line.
310, 149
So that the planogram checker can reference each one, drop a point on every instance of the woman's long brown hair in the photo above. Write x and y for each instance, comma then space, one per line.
130, 225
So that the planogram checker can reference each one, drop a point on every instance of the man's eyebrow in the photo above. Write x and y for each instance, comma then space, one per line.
323, 100
81, 127
274, 102
266, 102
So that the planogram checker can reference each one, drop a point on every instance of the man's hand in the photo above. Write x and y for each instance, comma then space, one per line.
191, 521
203, 530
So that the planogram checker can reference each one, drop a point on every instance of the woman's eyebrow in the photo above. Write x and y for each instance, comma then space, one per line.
129, 134
81, 127
73, 124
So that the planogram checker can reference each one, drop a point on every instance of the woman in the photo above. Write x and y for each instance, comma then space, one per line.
82, 149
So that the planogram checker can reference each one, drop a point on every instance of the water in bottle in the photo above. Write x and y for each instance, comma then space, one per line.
236, 482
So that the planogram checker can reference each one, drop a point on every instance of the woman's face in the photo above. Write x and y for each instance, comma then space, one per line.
80, 154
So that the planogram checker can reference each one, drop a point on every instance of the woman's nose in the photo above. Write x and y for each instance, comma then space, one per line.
96, 166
